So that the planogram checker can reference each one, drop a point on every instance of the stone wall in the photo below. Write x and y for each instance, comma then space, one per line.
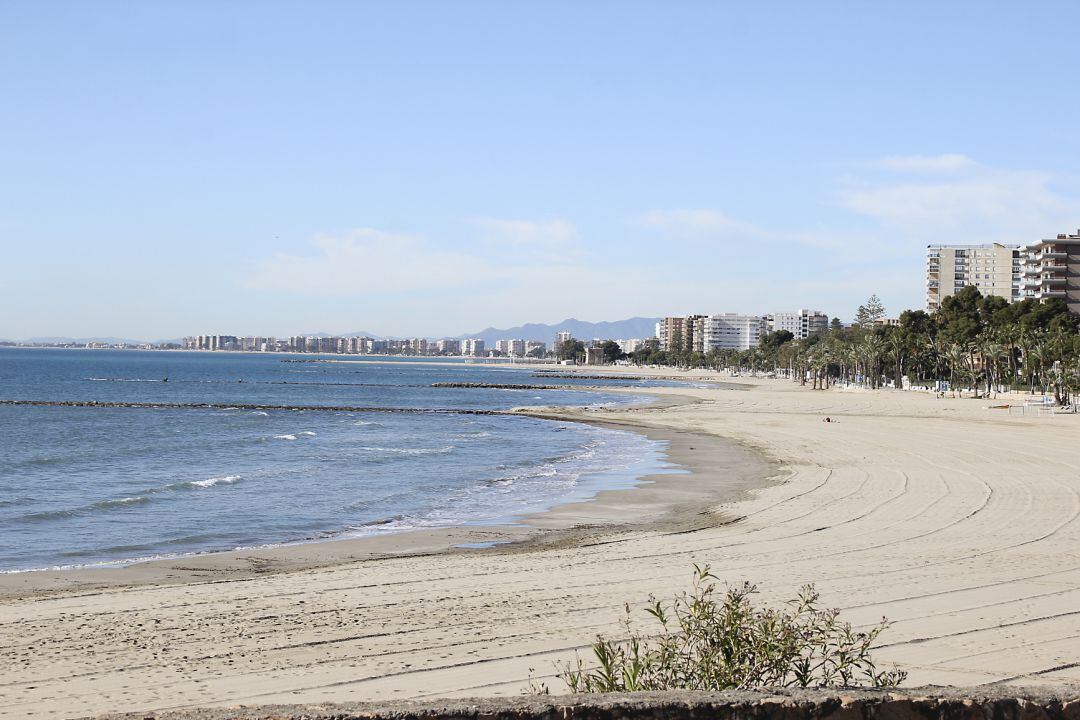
929, 703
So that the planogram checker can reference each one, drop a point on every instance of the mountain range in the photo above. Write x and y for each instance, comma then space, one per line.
635, 327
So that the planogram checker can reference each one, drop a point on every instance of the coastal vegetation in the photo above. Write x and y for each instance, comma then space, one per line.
973, 343
713, 641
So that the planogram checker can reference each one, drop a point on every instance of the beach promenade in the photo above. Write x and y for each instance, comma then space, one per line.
959, 523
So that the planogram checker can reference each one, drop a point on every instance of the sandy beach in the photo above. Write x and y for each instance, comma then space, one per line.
958, 522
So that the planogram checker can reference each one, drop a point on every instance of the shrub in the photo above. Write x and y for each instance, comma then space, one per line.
712, 643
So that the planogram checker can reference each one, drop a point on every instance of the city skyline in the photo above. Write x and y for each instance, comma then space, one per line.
485, 163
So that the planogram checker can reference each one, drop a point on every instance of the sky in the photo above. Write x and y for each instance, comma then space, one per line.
434, 168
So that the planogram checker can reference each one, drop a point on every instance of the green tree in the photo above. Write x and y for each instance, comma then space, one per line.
571, 349
612, 351
867, 315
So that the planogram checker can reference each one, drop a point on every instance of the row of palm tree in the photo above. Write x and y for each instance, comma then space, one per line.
974, 344
1036, 361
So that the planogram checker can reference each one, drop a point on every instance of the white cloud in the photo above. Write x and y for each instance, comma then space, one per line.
710, 223
982, 205
548, 235
716, 226
930, 164
369, 261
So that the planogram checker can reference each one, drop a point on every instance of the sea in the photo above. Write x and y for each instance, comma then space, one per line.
105, 486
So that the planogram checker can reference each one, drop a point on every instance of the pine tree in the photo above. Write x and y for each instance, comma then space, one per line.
870, 313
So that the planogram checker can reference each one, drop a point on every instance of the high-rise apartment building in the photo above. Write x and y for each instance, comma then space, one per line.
994, 269
512, 348
682, 333
472, 347
732, 331
671, 330
801, 324
448, 346
1051, 268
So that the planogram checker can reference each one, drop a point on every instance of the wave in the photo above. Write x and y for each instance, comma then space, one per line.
412, 451
295, 436
211, 482
135, 499
96, 379
118, 503
260, 413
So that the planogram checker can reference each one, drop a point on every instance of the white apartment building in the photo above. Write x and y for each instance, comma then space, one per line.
514, 348
448, 346
732, 331
993, 268
801, 323
1051, 268
472, 347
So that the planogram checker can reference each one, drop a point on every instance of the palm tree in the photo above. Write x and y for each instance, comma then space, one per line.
871, 350
993, 354
954, 356
896, 344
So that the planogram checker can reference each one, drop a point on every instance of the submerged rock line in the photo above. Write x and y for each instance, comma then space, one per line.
252, 406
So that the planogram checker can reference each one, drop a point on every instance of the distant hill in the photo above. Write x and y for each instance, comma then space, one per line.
637, 327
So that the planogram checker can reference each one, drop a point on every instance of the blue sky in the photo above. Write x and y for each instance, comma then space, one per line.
434, 168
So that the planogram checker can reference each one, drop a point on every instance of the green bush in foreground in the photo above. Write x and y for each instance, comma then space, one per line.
713, 643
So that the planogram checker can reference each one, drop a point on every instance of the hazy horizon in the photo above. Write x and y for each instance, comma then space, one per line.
430, 169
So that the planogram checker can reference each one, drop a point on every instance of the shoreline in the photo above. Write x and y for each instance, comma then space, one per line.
707, 470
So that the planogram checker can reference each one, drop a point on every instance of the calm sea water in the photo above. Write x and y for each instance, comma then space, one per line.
92, 486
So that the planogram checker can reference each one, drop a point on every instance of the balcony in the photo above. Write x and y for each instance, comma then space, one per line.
1052, 254
1054, 279
1056, 292
1055, 267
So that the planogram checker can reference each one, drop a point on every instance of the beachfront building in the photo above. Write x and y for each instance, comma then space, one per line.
1051, 268
594, 356
473, 347
511, 348
630, 345
801, 323
993, 268
671, 331
733, 331
212, 342
561, 337
682, 333
448, 346
535, 348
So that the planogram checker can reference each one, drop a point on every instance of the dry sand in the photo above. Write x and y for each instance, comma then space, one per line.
958, 522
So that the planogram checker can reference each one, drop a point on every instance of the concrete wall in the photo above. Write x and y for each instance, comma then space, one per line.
933, 703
